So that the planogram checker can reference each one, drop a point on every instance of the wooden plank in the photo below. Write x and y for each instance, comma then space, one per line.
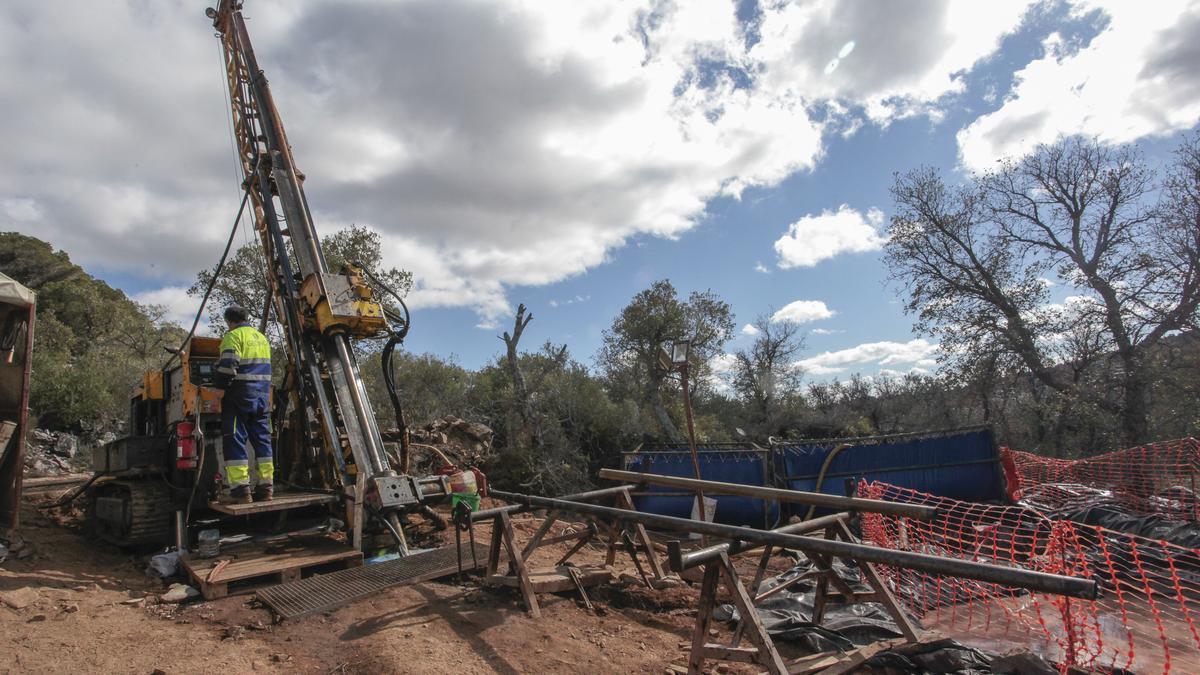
753, 629
553, 581
642, 536
246, 561
517, 561
853, 659
583, 541
543, 529
725, 653
883, 593
282, 502
708, 599
812, 663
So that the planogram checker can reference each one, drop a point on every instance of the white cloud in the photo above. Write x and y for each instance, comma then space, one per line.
893, 59
759, 267
825, 331
919, 352
180, 307
721, 372
1136, 78
750, 329
803, 311
812, 239
492, 145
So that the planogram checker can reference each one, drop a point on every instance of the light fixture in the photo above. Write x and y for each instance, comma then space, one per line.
679, 351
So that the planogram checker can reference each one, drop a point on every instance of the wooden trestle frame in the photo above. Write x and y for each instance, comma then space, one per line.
719, 570
632, 540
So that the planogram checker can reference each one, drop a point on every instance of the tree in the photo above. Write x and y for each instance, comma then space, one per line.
974, 258
243, 280
91, 343
765, 376
656, 316
521, 426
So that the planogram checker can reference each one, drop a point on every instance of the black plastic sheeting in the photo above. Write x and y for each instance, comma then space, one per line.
1115, 517
787, 616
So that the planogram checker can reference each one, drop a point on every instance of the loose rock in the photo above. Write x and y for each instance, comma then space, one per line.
179, 593
19, 598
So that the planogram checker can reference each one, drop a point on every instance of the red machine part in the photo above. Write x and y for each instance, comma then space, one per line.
185, 446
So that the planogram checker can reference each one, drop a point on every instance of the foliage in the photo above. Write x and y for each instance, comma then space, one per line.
629, 355
766, 378
91, 342
243, 280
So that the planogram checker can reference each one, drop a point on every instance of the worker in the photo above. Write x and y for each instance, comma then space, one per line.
244, 372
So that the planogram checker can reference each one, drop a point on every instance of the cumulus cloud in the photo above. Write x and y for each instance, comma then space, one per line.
492, 145
814, 238
803, 311
750, 329
920, 353
180, 308
891, 58
1136, 78
825, 331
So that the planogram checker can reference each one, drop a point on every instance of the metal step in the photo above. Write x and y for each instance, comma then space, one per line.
327, 591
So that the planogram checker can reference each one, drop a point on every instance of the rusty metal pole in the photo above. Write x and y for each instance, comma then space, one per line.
691, 429
922, 562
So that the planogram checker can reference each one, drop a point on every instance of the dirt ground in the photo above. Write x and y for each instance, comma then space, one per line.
79, 611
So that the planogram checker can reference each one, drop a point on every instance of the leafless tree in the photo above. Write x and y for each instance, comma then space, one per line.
974, 261
765, 376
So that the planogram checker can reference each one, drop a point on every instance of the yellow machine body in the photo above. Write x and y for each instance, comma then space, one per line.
343, 302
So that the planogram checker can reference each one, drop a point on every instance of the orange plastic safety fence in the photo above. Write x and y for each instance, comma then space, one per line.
1147, 618
1159, 478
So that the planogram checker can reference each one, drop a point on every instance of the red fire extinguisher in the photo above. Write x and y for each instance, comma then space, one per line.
185, 446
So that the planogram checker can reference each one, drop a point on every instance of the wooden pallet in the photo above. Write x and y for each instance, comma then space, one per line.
242, 568
555, 580
283, 501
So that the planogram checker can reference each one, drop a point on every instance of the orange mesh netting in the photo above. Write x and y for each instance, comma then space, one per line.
1146, 618
1159, 478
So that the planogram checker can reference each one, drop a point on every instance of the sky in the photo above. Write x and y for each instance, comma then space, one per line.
565, 155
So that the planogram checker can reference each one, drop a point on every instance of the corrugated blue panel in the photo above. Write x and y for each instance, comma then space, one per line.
746, 467
960, 466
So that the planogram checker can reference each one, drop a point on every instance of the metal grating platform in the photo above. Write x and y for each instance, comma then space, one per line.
326, 591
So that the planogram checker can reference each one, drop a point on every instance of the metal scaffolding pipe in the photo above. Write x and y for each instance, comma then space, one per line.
579, 496
698, 557
1007, 576
918, 511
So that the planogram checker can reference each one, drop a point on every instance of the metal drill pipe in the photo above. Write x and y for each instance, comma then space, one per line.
1006, 576
918, 511
704, 555
580, 496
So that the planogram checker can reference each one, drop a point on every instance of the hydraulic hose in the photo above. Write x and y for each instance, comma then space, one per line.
821, 475
389, 374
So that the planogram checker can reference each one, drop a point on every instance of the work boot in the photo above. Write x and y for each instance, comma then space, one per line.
240, 495
264, 492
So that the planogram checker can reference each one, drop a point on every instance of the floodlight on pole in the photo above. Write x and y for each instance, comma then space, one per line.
675, 358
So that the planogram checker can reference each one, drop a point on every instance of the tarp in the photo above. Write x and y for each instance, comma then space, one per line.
13, 293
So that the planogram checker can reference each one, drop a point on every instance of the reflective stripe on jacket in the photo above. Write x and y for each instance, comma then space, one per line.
245, 358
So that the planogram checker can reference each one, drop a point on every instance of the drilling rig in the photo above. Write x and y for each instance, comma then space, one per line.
329, 452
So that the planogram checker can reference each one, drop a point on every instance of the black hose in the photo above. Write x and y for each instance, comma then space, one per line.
389, 374
213, 281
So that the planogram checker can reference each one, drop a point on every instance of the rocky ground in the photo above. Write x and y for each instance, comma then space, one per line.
71, 605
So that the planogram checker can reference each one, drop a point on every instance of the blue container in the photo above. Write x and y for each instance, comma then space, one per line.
743, 465
964, 465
